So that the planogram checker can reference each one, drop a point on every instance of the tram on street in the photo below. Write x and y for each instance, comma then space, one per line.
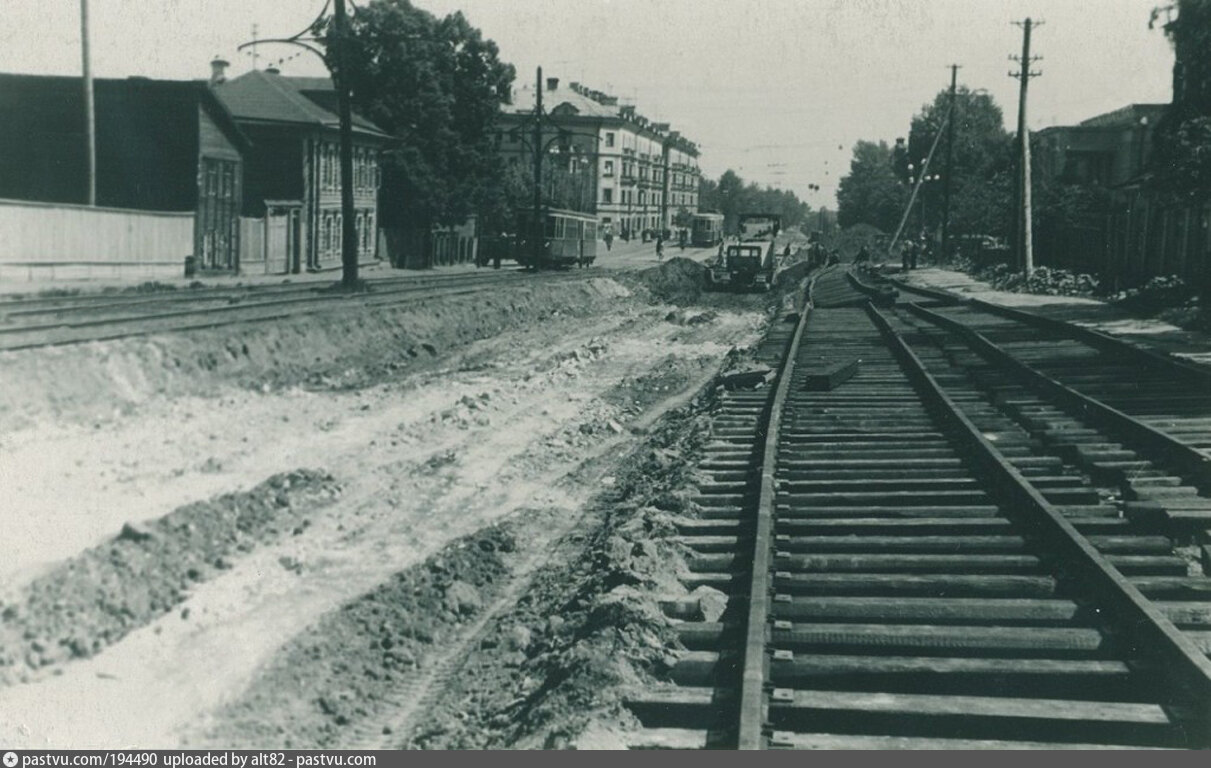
568, 238
706, 229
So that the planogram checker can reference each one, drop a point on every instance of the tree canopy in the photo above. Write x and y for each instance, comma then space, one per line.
436, 85
871, 193
731, 196
1182, 159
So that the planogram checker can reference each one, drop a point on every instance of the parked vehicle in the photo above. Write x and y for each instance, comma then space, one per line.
749, 263
568, 238
706, 229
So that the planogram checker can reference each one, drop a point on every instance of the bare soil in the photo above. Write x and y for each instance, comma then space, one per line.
430, 490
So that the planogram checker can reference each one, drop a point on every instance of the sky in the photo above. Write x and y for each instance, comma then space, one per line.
778, 90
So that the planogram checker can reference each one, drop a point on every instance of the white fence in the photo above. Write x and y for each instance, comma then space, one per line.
56, 241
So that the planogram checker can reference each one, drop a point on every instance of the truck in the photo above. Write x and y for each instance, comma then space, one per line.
748, 262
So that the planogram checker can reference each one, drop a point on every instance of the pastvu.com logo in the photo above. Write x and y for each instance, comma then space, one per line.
10, 759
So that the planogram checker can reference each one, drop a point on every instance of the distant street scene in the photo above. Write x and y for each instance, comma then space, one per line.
603, 374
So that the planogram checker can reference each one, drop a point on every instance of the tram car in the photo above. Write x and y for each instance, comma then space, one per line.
748, 264
706, 229
568, 238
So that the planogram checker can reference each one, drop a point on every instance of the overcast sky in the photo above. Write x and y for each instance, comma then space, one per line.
777, 89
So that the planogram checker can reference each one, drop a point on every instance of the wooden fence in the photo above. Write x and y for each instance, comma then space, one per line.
56, 241
1148, 238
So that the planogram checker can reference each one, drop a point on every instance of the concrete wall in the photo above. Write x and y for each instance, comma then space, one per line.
57, 241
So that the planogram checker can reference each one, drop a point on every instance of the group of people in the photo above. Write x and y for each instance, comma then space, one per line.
911, 251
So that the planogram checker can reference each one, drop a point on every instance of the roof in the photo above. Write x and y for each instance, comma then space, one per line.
585, 105
136, 96
576, 100
1130, 115
267, 97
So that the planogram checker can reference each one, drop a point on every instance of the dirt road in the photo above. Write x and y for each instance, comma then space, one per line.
521, 426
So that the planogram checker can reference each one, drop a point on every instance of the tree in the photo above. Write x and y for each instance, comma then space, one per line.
731, 196
437, 86
1182, 143
870, 193
982, 158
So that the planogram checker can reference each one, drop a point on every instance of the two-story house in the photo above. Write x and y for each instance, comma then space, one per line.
292, 176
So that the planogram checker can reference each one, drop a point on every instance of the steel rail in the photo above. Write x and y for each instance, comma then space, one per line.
364, 301
1181, 662
1184, 458
10, 308
755, 671
270, 300
1098, 340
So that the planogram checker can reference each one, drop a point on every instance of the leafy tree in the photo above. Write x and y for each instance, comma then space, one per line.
871, 193
731, 196
981, 179
1182, 158
437, 86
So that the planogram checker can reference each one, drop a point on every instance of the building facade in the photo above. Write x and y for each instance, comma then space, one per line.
292, 175
601, 157
161, 145
1107, 150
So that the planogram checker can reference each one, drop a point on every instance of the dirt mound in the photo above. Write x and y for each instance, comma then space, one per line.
336, 349
97, 597
334, 676
676, 281
594, 621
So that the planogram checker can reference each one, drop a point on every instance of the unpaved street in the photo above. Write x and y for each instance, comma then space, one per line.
522, 425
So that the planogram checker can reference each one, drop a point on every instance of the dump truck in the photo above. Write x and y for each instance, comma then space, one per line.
747, 262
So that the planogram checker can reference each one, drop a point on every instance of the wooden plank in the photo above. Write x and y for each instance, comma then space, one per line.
923, 705
830, 376
805, 665
904, 563
934, 609
931, 586
919, 544
864, 742
941, 637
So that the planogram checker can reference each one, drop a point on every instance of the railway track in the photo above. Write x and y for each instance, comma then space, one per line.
54, 321
923, 549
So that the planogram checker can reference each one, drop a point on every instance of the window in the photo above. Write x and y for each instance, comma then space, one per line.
609, 168
607, 195
609, 138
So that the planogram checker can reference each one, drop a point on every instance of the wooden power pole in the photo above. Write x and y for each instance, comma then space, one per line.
90, 115
950, 144
349, 255
537, 219
1024, 229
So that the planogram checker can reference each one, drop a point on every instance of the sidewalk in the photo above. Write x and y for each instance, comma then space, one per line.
1148, 333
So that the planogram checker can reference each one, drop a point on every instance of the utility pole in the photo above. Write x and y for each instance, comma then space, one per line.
90, 115
1024, 230
537, 219
345, 110
950, 143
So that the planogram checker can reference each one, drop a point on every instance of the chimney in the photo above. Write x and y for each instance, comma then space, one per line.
575, 86
608, 101
218, 71
628, 111
552, 83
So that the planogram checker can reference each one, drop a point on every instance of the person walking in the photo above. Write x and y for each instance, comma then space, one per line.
609, 239
659, 248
